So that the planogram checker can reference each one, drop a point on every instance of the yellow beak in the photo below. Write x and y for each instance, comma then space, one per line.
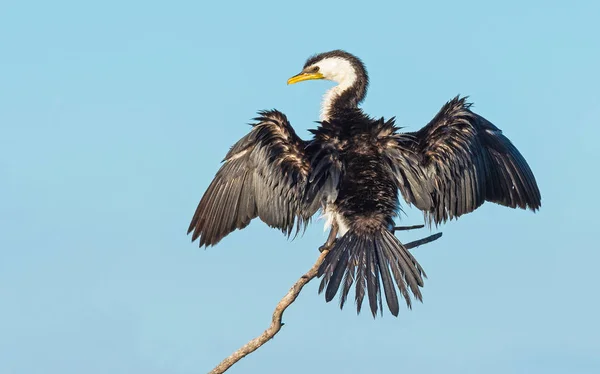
304, 77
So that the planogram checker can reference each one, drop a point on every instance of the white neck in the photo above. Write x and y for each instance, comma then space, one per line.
338, 70
329, 98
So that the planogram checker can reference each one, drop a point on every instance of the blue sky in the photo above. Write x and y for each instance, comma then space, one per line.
114, 117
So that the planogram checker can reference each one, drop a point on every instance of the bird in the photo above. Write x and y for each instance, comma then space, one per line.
354, 170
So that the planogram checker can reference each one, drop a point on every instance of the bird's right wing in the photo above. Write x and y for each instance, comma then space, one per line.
263, 175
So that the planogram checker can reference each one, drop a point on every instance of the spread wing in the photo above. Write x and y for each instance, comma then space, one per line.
457, 162
263, 175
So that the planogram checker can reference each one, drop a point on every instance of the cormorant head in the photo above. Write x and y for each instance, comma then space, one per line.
338, 66
341, 67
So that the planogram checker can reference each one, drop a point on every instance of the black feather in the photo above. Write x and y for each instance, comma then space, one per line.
463, 161
264, 175
378, 255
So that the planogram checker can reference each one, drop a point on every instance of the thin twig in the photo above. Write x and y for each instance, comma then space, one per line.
404, 228
276, 324
426, 240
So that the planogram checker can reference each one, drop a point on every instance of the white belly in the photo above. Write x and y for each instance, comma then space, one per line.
331, 215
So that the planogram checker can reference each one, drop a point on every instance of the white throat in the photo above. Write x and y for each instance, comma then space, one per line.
338, 70
329, 98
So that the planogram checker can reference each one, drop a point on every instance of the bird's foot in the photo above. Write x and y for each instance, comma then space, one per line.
327, 246
330, 239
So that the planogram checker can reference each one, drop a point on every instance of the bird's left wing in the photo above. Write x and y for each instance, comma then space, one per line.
455, 163
263, 175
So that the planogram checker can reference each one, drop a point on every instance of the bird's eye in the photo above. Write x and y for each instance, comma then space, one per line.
314, 69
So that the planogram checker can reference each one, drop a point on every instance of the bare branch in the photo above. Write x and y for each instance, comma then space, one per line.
276, 324
289, 298
404, 228
426, 240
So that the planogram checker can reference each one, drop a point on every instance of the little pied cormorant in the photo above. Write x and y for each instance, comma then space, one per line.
352, 169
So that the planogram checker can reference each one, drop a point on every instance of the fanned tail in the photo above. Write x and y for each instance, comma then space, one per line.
368, 260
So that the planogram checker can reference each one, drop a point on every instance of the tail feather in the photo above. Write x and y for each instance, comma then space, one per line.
361, 276
334, 258
338, 273
386, 278
349, 277
372, 281
405, 261
361, 259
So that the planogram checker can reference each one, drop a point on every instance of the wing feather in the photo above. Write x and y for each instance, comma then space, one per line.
457, 162
263, 175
